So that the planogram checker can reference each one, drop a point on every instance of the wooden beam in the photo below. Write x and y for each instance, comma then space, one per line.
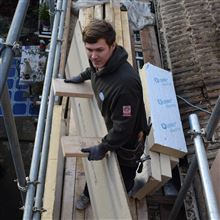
98, 12
72, 145
118, 26
79, 186
68, 189
126, 36
104, 179
165, 167
150, 177
64, 48
173, 161
150, 46
82, 90
89, 15
54, 178
82, 17
109, 14
142, 209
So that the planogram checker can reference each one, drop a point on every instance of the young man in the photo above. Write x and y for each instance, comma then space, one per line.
118, 92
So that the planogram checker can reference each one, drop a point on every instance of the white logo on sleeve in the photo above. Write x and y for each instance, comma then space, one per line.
126, 111
101, 96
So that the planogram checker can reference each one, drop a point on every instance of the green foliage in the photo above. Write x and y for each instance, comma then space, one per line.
44, 12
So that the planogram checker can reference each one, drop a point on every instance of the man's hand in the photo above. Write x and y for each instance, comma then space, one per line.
96, 152
75, 79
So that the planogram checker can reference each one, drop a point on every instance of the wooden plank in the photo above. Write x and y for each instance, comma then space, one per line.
150, 46
82, 17
104, 179
89, 15
109, 14
118, 26
133, 208
72, 145
215, 176
142, 209
152, 186
82, 90
98, 12
68, 189
64, 47
173, 161
165, 167
126, 35
54, 178
166, 172
73, 127
79, 187
150, 177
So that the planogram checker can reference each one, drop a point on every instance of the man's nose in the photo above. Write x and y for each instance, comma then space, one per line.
93, 55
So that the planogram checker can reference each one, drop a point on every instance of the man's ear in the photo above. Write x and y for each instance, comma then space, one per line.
114, 45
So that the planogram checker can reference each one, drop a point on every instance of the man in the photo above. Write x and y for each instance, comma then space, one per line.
118, 92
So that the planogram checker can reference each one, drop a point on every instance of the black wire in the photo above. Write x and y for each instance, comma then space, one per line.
2, 49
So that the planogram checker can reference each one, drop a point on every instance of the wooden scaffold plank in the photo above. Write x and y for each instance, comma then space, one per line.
118, 26
68, 189
126, 36
98, 12
72, 90
72, 145
109, 14
54, 178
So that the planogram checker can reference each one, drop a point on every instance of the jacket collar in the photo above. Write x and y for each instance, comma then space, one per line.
119, 56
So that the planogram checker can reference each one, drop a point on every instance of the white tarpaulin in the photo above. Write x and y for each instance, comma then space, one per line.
139, 13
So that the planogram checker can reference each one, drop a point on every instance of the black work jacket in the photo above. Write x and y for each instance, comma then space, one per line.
119, 95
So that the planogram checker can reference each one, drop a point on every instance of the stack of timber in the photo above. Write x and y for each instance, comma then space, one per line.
158, 170
86, 128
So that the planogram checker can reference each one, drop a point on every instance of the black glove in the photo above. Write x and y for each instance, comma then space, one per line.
96, 152
75, 79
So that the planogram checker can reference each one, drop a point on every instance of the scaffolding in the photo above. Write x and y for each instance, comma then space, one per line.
32, 188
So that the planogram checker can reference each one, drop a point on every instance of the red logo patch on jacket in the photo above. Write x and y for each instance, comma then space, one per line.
126, 111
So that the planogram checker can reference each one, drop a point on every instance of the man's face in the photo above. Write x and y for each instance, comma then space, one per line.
99, 52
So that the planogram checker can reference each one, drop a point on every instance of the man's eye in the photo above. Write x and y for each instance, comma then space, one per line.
99, 50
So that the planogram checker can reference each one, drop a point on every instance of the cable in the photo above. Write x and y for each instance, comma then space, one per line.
194, 106
2, 49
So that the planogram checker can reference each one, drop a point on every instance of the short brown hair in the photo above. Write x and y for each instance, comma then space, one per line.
99, 29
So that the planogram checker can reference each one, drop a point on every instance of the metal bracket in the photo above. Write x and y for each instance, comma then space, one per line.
31, 182
146, 157
14, 47
57, 10
194, 133
202, 133
21, 188
28, 182
59, 40
41, 210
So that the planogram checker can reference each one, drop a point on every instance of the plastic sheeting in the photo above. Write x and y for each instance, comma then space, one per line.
139, 13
